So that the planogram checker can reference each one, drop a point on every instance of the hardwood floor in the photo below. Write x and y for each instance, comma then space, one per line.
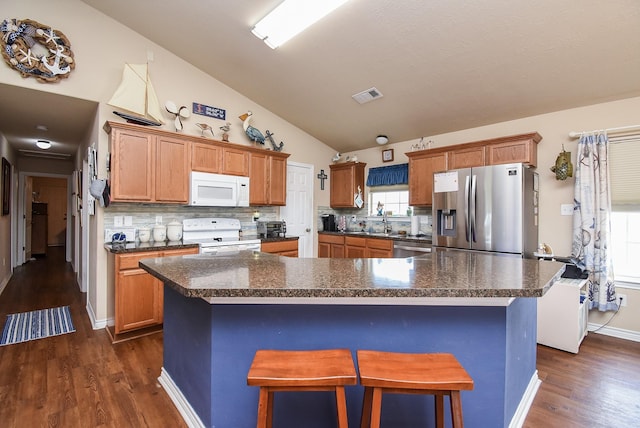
78, 379
82, 380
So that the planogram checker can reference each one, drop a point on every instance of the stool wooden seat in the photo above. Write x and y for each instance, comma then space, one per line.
314, 370
392, 372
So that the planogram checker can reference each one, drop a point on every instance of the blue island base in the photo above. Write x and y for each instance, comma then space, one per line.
208, 349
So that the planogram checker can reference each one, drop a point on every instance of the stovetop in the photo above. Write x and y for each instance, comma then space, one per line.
214, 232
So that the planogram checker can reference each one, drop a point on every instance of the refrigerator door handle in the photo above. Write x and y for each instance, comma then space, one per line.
472, 203
466, 208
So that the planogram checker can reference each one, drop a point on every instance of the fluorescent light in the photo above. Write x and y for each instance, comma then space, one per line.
290, 18
43, 144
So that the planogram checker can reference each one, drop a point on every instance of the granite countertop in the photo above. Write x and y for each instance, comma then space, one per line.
442, 273
135, 247
392, 236
282, 238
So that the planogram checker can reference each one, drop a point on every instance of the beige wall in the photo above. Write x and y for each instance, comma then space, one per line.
101, 47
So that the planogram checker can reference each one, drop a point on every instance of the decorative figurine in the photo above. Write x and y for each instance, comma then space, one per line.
183, 111
205, 127
225, 131
276, 147
253, 133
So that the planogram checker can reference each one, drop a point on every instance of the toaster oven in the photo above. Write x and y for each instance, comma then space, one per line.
272, 229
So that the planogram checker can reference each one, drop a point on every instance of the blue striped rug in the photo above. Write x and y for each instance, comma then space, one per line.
33, 325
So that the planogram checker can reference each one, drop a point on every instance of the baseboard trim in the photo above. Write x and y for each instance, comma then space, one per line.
527, 400
188, 414
620, 333
97, 325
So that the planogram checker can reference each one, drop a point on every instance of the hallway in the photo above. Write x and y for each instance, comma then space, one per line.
78, 379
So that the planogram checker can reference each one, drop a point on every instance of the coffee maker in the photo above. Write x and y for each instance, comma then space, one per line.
328, 222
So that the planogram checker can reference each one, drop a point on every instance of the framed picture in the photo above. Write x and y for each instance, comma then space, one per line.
387, 155
6, 186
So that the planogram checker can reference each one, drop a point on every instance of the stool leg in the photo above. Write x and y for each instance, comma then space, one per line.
341, 405
365, 417
456, 410
265, 408
376, 408
439, 407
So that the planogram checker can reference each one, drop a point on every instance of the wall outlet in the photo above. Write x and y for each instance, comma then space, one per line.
118, 221
624, 298
128, 220
566, 209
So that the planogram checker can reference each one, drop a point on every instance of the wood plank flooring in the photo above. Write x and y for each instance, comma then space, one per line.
82, 380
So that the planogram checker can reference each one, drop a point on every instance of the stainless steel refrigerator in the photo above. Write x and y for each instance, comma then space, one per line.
490, 208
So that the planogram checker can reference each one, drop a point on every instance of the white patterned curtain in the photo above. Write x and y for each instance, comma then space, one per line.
591, 220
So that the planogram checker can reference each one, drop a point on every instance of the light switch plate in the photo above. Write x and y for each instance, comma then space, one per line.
118, 221
128, 220
566, 209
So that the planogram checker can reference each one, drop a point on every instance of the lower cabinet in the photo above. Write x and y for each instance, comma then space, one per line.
354, 247
288, 248
138, 295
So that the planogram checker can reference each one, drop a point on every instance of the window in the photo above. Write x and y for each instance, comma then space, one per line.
624, 157
396, 201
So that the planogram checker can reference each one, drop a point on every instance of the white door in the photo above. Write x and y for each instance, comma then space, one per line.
298, 213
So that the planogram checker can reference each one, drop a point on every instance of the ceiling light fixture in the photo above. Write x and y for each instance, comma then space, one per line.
382, 139
43, 144
290, 18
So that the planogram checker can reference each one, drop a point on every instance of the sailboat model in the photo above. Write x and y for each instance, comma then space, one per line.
137, 97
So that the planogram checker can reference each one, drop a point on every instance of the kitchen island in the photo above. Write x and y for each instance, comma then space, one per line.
220, 310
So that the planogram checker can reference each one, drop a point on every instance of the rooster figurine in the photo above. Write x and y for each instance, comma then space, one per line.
254, 134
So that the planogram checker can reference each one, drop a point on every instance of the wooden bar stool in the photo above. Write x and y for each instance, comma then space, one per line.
392, 372
316, 370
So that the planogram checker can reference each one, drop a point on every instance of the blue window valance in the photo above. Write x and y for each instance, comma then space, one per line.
388, 175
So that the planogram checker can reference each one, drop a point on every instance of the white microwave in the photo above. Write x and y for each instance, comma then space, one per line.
218, 190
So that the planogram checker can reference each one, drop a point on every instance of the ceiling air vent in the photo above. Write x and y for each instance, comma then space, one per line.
368, 95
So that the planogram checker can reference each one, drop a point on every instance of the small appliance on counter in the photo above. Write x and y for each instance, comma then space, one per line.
272, 229
329, 223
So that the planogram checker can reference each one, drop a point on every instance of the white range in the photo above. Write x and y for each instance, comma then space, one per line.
217, 236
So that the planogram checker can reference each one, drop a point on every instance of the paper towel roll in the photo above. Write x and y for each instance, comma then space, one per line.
415, 225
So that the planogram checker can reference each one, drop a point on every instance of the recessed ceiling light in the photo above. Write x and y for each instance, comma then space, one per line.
42, 127
43, 144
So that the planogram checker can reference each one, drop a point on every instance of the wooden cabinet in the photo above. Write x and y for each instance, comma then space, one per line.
466, 157
288, 248
268, 174
354, 247
235, 161
524, 151
206, 157
147, 167
139, 295
330, 246
345, 179
422, 165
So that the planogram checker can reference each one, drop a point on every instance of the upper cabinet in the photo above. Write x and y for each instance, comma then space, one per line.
147, 167
268, 173
345, 179
424, 163
154, 165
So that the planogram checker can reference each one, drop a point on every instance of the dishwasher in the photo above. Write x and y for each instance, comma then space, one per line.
403, 249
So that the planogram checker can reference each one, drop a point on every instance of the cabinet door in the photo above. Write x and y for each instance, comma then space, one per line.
172, 170
138, 300
421, 171
352, 252
513, 152
259, 179
337, 251
466, 158
132, 166
324, 250
376, 253
277, 181
235, 161
205, 157
379, 248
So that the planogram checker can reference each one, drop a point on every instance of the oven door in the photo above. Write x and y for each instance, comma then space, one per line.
403, 249
228, 250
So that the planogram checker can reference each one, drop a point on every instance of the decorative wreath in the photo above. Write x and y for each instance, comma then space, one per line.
36, 50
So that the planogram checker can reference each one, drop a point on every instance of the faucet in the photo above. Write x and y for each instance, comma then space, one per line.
385, 222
